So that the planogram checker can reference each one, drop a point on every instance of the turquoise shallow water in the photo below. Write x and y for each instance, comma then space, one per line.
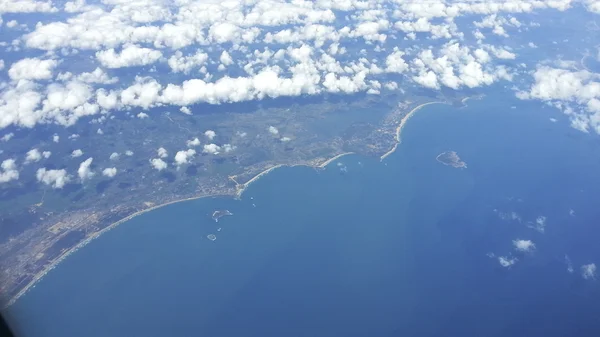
362, 248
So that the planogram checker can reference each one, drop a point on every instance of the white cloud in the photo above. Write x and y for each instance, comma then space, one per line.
129, 153
524, 245
114, 156
7, 137
162, 152
130, 56
210, 134
226, 58
185, 110
9, 171
285, 139
193, 142
99, 131
97, 76
33, 155
564, 87
228, 147
185, 64
55, 138
273, 130
283, 49
211, 148
56, 178
46, 154
502, 53
76, 153
84, 170
142, 115
27, 6
158, 164
109, 172
183, 157
395, 63
588, 271
592, 6
32, 69
506, 261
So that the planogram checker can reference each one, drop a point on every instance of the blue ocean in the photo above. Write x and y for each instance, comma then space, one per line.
403, 247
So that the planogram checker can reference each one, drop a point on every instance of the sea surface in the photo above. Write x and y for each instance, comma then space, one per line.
403, 247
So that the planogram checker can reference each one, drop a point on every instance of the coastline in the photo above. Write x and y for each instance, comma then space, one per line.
39, 276
267, 171
401, 126
92, 237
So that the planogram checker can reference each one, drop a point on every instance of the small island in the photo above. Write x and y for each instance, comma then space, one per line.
451, 158
219, 214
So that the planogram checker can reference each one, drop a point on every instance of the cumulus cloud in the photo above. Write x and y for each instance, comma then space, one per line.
226, 58
84, 171
158, 164
162, 152
109, 172
7, 137
97, 76
114, 156
524, 245
9, 171
129, 153
273, 130
180, 63
55, 138
193, 142
33, 155
395, 63
55, 178
588, 271
211, 148
183, 157
281, 49
130, 56
228, 147
142, 115
32, 69
76, 153
564, 87
210, 134
185, 110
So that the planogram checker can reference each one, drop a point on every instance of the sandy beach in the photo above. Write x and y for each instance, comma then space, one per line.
401, 125
263, 173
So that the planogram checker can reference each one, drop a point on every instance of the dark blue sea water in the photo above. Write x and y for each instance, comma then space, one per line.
407, 247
